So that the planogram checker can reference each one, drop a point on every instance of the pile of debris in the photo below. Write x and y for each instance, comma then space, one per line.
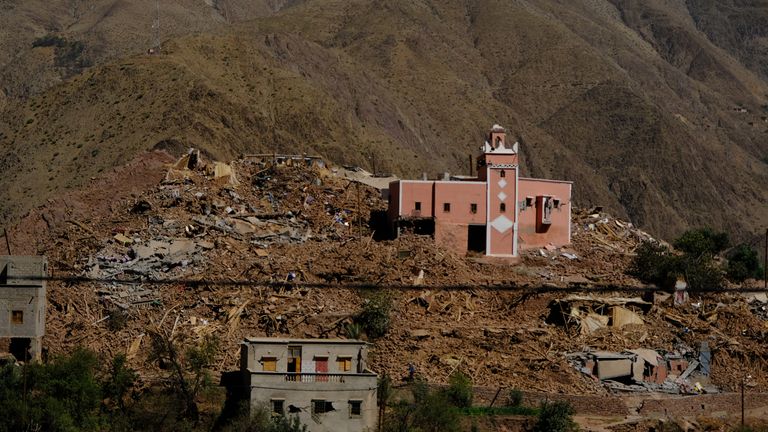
254, 248
601, 250
588, 313
643, 369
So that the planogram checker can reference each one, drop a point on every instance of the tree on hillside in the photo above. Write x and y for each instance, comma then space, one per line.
119, 382
431, 410
63, 395
260, 419
693, 260
701, 241
743, 263
189, 369
374, 316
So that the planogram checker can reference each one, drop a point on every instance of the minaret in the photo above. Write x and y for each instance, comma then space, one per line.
496, 151
498, 168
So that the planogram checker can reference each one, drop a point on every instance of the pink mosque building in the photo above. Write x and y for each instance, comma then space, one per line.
498, 212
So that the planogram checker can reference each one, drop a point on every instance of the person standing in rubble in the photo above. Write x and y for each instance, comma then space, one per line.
411, 372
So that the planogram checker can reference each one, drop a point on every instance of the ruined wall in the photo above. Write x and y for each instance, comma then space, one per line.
452, 236
711, 405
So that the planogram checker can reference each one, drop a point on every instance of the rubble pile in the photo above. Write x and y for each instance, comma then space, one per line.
601, 250
254, 248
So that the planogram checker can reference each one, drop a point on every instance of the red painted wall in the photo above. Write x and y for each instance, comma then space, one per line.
558, 232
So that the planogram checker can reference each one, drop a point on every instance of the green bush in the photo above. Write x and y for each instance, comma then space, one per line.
481, 411
653, 263
459, 390
374, 316
702, 241
701, 273
117, 320
49, 40
515, 398
70, 54
749, 429
555, 417
353, 331
66, 53
63, 395
743, 263
119, 381
260, 419
432, 414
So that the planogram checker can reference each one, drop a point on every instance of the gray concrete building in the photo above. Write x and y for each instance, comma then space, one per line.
323, 381
22, 305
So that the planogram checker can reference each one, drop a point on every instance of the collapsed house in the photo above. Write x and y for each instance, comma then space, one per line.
587, 314
639, 369
643, 369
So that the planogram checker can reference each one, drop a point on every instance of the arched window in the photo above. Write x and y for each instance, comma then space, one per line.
502, 207
503, 173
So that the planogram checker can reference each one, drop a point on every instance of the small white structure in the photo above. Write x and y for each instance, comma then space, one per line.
323, 381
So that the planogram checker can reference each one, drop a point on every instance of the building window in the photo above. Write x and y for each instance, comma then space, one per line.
502, 207
269, 364
503, 173
278, 407
473, 208
344, 364
355, 408
447, 207
417, 206
321, 406
294, 359
529, 201
17, 317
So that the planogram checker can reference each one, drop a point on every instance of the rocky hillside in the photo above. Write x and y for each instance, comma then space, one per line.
657, 110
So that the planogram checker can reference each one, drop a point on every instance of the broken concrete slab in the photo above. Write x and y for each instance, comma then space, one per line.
614, 367
122, 239
224, 173
621, 316
181, 246
592, 322
648, 355
242, 227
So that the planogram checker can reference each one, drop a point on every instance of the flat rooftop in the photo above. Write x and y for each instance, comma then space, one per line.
269, 340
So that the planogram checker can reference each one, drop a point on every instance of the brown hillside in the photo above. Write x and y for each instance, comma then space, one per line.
633, 102
108, 30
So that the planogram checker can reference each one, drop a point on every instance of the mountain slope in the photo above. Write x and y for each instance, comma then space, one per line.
633, 102
107, 30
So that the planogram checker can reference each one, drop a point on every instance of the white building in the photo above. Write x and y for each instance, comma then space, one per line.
323, 381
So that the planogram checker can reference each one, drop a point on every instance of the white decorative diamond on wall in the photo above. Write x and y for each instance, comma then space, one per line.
502, 224
502, 196
502, 183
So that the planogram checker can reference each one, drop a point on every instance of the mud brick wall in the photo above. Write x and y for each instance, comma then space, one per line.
583, 404
711, 405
